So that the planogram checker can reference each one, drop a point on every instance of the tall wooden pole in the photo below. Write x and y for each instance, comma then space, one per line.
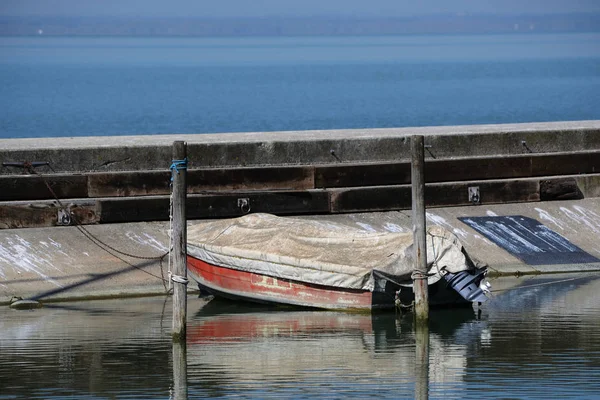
419, 236
179, 240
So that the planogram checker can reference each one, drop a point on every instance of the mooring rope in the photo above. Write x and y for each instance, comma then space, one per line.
178, 165
170, 234
93, 238
179, 279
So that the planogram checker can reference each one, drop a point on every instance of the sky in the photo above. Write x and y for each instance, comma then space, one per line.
303, 8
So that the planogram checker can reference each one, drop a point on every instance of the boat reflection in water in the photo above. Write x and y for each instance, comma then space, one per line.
537, 338
517, 345
250, 344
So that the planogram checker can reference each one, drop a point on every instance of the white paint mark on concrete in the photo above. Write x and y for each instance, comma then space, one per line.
152, 241
55, 244
583, 216
147, 240
21, 256
460, 232
58, 248
390, 227
437, 220
591, 215
490, 213
545, 216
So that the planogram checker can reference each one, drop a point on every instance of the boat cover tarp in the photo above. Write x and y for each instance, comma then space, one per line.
320, 252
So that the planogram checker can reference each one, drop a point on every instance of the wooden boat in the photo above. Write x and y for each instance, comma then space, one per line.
306, 262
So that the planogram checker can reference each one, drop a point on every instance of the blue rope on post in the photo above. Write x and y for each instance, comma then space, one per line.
178, 165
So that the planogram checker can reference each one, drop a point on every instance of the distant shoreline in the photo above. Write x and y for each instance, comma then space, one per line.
298, 26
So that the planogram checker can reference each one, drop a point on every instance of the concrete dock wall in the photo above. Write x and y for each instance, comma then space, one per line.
126, 179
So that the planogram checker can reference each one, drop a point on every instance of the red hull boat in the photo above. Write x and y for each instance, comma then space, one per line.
267, 259
249, 286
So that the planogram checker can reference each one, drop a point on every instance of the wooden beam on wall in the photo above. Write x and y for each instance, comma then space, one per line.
33, 187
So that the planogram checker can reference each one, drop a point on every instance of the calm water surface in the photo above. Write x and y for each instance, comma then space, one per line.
538, 339
114, 86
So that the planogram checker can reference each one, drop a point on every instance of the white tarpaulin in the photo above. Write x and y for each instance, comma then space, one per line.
320, 252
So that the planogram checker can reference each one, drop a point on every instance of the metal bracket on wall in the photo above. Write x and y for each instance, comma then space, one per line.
244, 205
474, 195
64, 217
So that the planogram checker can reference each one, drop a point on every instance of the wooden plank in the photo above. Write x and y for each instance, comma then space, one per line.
383, 198
566, 164
335, 200
156, 208
477, 169
33, 187
522, 166
124, 184
280, 203
133, 209
379, 198
147, 183
349, 175
490, 192
27, 215
259, 178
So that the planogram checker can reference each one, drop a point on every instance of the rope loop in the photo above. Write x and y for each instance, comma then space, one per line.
178, 165
179, 279
416, 274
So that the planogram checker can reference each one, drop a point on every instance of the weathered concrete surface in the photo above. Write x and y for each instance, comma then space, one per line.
130, 153
52, 264
61, 263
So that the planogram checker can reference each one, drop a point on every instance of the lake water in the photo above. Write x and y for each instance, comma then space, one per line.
538, 338
113, 86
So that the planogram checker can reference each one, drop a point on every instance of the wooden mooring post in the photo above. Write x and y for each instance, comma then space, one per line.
179, 240
419, 274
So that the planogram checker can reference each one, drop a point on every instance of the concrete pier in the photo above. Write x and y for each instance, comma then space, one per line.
117, 189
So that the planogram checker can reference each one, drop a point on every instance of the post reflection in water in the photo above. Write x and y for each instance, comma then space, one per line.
422, 361
180, 389
535, 339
